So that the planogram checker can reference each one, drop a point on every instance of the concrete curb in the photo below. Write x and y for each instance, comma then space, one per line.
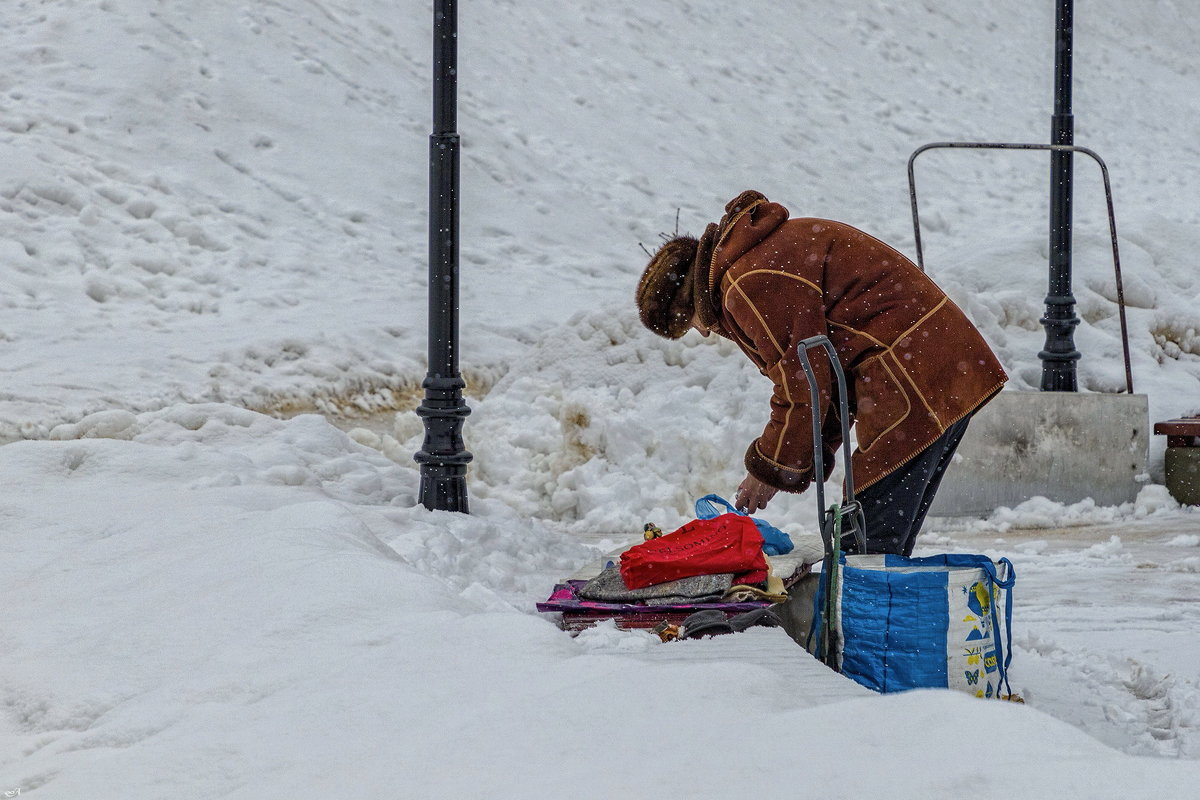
1065, 446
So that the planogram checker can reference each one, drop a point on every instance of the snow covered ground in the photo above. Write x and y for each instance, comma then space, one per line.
212, 225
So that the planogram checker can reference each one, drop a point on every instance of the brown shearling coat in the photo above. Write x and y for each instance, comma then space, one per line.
914, 363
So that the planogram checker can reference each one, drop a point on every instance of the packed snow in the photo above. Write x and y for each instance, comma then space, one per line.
218, 582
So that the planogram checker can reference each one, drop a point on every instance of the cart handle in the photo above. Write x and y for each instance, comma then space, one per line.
844, 407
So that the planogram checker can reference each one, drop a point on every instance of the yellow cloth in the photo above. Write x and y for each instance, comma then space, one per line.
741, 593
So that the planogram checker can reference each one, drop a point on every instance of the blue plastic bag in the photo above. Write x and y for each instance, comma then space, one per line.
775, 541
923, 623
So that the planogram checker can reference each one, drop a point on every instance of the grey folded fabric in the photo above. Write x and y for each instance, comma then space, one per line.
680, 600
714, 622
710, 622
609, 587
750, 619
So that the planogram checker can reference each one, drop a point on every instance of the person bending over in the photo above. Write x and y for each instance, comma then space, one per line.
916, 368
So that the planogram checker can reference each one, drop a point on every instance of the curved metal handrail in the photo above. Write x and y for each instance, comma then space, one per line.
1112, 222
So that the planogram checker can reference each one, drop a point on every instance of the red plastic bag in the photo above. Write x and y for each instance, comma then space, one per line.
728, 543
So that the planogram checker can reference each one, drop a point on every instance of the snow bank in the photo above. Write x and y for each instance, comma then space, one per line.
1037, 512
219, 603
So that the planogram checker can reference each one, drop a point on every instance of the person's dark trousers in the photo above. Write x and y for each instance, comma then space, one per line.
895, 506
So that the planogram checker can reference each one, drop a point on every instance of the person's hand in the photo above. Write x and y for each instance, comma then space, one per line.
753, 495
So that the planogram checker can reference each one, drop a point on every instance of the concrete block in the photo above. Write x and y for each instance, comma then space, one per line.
1066, 446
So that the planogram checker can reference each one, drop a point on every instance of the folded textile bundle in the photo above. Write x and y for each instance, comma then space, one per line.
609, 587
715, 562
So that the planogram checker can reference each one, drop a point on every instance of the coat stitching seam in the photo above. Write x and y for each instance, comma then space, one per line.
782, 274
791, 406
922, 320
904, 394
986, 397
778, 464
712, 260
783, 382
920, 395
767, 328
860, 333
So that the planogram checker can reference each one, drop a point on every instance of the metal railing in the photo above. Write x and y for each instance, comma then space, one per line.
1112, 223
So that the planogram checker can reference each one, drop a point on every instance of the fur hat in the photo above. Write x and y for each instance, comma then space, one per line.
678, 282
664, 294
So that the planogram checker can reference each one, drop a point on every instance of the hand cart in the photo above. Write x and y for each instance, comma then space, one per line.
840, 519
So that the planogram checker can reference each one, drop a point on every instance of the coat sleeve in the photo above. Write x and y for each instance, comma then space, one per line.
774, 312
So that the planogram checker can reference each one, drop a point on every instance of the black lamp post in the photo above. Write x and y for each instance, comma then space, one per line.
1059, 356
442, 457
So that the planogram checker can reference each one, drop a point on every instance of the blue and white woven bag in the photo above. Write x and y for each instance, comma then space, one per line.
936, 622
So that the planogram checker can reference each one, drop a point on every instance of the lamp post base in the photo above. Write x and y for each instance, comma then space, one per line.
442, 457
444, 488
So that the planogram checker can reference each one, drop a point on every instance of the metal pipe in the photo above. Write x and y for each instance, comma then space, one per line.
1112, 222
443, 458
